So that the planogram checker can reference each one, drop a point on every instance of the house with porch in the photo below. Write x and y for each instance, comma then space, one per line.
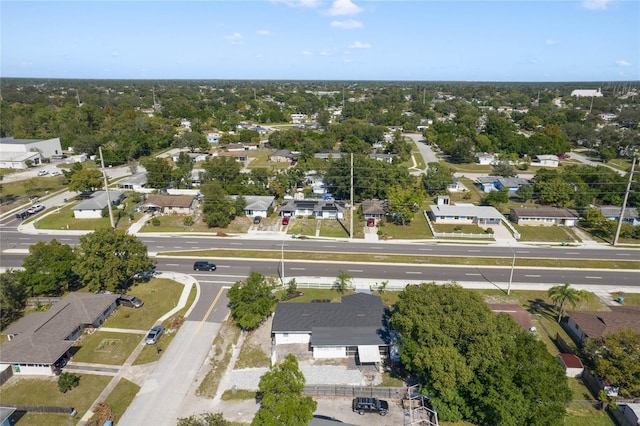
38, 340
465, 214
257, 205
355, 327
375, 209
631, 215
135, 182
171, 204
319, 209
283, 156
239, 156
544, 216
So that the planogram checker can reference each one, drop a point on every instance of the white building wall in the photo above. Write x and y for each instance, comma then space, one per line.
329, 352
286, 338
31, 369
87, 214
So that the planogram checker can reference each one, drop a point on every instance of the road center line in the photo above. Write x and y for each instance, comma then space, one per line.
472, 274
533, 276
352, 270
594, 278
210, 309
297, 269
414, 272
475, 251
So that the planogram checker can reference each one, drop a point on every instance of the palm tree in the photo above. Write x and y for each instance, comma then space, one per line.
342, 281
563, 294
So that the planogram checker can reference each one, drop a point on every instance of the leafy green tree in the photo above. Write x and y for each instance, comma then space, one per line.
343, 280
476, 365
183, 171
403, 203
504, 169
86, 180
282, 401
13, 297
204, 419
437, 178
218, 208
556, 192
48, 269
563, 294
194, 141
617, 358
158, 172
67, 381
496, 198
525, 192
225, 170
251, 301
108, 258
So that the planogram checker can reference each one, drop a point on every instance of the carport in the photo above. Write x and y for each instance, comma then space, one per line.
368, 354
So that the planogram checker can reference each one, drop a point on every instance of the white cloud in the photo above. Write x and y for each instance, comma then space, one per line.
358, 45
25, 64
235, 38
623, 63
325, 53
595, 4
344, 7
263, 32
115, 53
550, 42
350, 24
306, 53
533, 61
299, 3
347, 61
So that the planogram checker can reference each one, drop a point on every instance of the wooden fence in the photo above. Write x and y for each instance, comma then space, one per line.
43, 409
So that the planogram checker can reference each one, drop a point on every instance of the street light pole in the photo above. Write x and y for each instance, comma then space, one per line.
513, 265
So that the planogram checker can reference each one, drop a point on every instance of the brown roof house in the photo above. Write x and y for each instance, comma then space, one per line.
375, 209
583, 325
171, 204
40, 339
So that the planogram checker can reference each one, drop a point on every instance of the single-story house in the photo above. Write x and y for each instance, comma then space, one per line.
212, 136
234, 147
257, 205
547, 160
485, 158
487, 183
544, 216
195, 157
38, 340
572, 365
455, 186
171, 204
465, 214
282, 156
583, 325
134, 182
631, 215
512, 183
196, 176
240, 157
93, 207
375, 209
16, 153
326, 154
387, 158
354, 327
320, 209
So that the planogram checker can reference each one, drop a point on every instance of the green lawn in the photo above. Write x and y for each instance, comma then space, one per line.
416, 229
120, 398
582, 411
303, 226
175, 223
310, 294
159, 297
44, 391
252, 356
105, 347
335, 228
546, 233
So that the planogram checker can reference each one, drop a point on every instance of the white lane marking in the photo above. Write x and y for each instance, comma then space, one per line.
474, 251
623, 254
297, 269
160, 246
594, 278
414, 272
236, 244
193, 242
178, 247
472, 274
330, 246
522, 251
23, 238
375, 248
572, 252
426, 249
533, 276
65, 239
355, 270
173, 264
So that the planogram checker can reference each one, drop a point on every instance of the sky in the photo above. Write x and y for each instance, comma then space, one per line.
419, 40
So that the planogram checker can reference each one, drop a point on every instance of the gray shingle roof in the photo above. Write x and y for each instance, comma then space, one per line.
546, 212
357, 320
613, 211
41, 338
98, 200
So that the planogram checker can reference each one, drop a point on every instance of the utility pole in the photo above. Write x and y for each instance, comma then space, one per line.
106, 189
513, 265
351, 203
624, 202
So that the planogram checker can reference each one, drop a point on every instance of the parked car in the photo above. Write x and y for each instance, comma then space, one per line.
56, 173
36, 209
285, 220
257, 220
363, 405
203, 265
146, 274
371, 222
154, 335
43, 173
130, 301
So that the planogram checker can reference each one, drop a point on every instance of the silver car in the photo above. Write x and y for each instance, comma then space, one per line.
154, 335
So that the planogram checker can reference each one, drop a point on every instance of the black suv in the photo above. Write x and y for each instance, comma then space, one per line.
363, 405
203, 265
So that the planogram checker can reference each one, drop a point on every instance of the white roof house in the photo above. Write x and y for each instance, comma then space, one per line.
93, 207
588, 93
547, 160
465, 214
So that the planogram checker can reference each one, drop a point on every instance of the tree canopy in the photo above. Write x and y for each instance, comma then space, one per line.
251, 301
282, 402
48, 269
476, 365
107, 259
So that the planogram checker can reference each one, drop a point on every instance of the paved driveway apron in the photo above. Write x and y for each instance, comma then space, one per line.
160, 397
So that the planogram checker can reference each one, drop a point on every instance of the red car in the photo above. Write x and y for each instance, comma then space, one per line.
371, 222
285, 220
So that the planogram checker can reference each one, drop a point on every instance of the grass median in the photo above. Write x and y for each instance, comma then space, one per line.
410, 259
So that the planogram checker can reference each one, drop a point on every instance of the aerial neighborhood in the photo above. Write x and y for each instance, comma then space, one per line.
310, 252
